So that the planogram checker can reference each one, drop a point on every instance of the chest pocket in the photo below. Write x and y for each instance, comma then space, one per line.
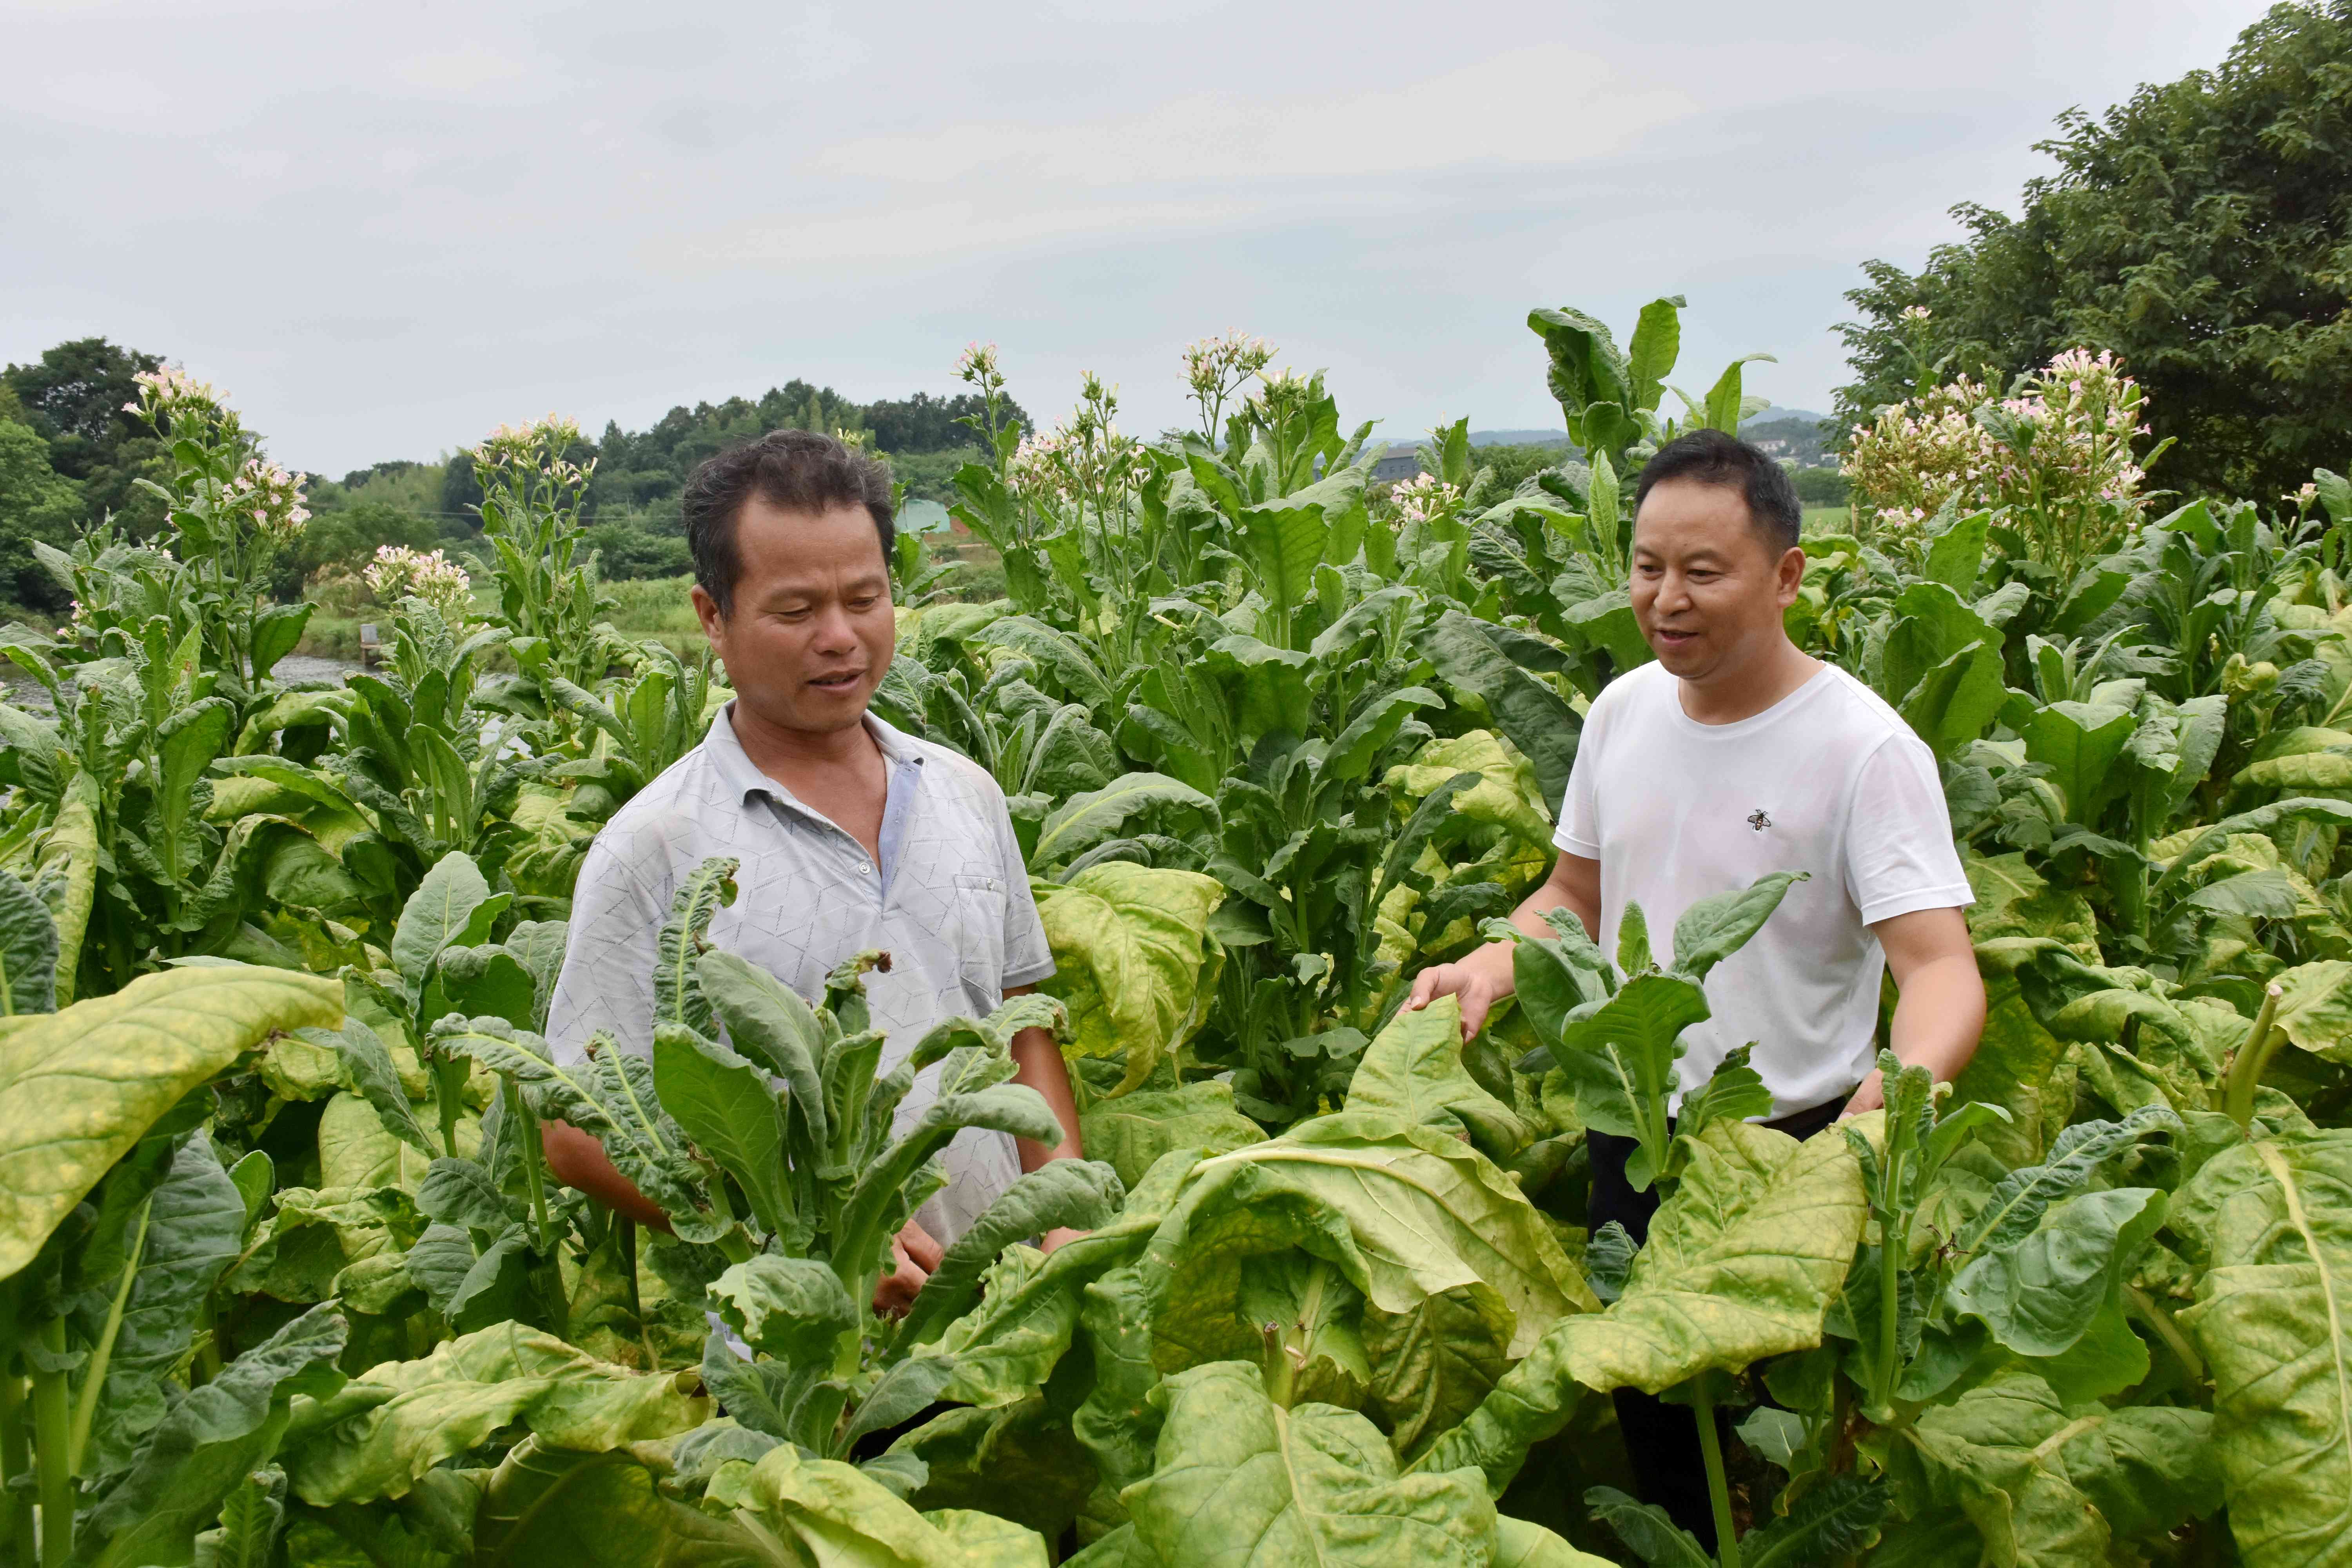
981, 902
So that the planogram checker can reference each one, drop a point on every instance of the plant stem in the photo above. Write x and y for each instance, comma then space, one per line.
1718, 1486
448, 1083
1890, 1323
1281, 1381
2142, 1306
625, 1242
52, 1436
2246, 1067
534, 1157
94, 1373
16, 1458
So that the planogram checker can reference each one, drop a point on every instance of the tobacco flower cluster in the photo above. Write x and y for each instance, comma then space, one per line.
399, 572
977, 365
2059, 451
271, 497
1422, 497
537, 444
1216, 368
170, 392
1084, 460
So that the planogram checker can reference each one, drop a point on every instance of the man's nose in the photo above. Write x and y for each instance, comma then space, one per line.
833, 631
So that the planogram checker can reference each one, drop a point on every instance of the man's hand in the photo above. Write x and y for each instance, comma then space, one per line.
916, 1254
1870, 1096
1480, 980
1061, 1236
1486, 976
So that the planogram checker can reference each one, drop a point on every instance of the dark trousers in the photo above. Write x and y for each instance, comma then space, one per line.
1669, 1467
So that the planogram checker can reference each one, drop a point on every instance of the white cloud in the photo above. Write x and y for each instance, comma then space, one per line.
1547, 104
933, 231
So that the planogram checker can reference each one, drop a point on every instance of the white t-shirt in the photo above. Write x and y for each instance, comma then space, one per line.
1830, 781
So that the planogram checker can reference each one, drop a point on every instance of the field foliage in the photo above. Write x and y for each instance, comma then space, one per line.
284, 1276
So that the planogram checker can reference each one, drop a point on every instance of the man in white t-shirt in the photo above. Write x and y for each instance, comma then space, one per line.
1734, 755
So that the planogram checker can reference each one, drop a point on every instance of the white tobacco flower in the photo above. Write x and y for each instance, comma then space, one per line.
400, 573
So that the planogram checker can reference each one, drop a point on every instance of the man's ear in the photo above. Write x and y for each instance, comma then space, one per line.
706, 611
1788, 574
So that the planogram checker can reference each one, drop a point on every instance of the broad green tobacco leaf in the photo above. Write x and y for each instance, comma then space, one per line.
2012, 899
1074, 1195
79, 1088
2315, 1010
438, 914
1619, 1060
1413, 1070
194, 1224
677, 994
1017, 1460
368, 1067
588, 1510
1505, 796
1654, 1538
1128, 959
793, 1309
246, 1536
399, 1419
2046, 1483
1238, 1479
1085, 820
2273, 1318
1535, 718
2079, 742
826, 1512
1719, 925
72, 853
2039, 1293
2014, 1061
1131, 1133
1831, 1523
215, 1437
28, 951
774, 1025
1741, 1263
1518, 1544
722, 1101
1434, 1362
1403, 1212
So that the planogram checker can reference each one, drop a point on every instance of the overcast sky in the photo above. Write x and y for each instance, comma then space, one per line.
383, 228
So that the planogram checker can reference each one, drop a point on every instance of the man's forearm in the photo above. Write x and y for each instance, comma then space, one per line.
1037, 1063
1550, 894
1939, 1016
578, 1160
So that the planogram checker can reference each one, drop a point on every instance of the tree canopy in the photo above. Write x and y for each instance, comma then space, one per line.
2201, 230
72, 397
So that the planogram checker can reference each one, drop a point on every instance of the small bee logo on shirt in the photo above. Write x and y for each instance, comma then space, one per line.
1759, 821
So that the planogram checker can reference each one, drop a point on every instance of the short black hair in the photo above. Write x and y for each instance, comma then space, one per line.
792, 470
1712, 457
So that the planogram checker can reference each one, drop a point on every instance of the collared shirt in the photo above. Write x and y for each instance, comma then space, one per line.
948, 899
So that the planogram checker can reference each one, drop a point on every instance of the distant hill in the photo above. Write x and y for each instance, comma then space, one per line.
1780, 416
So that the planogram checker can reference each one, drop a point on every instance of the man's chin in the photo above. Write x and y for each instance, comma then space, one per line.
1685, 660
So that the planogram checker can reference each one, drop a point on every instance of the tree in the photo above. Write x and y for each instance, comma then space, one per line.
2200, 231
73, 398
36, 503
1822, 486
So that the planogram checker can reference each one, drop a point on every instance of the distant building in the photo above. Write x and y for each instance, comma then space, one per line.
1397, 463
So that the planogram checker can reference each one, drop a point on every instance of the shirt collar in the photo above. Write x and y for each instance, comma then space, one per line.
743, 778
